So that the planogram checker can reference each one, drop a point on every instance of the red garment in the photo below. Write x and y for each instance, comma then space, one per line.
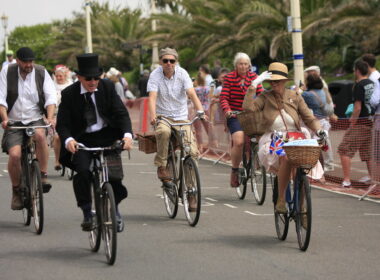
233, 92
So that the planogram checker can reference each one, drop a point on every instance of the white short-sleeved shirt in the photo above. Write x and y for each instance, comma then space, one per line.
171, 93
375, 98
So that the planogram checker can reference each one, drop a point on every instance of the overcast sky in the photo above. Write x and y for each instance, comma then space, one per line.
31, 12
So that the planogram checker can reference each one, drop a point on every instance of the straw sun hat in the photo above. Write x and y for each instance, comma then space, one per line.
279, 71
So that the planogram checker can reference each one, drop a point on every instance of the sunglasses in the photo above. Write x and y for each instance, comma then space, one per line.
92, 78
172, 61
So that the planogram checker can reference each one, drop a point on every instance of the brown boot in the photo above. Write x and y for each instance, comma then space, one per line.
16, 199
163, 173
192, 203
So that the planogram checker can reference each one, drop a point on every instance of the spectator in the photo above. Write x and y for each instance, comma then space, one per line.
315, 99
9, 59
205, 71
113, 76
358, 135
143, 82
217, 68
214, 102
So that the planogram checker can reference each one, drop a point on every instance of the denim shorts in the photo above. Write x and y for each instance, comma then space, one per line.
233, 125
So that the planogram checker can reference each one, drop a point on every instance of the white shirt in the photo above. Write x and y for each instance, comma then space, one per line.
26, 107
6, 62
171, 93
375, 98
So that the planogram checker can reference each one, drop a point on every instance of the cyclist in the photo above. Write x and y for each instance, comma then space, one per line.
93, 114
284, 109
27, 93
234, 89
169, 88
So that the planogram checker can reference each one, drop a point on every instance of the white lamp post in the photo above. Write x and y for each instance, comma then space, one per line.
4, 21
88, 27
155, 59
295, 13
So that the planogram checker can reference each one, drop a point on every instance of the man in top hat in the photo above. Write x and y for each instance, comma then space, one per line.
91, 113
9, 59
27, 93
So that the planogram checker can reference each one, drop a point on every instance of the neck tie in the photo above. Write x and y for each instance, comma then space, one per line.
89, 110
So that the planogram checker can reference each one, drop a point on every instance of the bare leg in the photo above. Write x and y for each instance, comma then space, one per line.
237, 148
14, 165
283, 177
42, 149
57, 147
346, 166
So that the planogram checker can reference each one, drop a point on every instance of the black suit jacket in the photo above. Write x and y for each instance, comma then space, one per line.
70, 119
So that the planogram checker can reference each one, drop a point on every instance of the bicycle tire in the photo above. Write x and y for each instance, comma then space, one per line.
95, 235
281, 220
244, 172
25, 191
37, 197
70, 174
109, 225
191, 188
63, 170
170, 192
257, 177
303, 204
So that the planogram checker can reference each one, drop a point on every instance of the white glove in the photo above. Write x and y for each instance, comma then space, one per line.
322, 133
261, 78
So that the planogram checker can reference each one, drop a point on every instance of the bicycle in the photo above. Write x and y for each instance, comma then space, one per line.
251, 170
185, 181
31, 190
298, 200
103, 206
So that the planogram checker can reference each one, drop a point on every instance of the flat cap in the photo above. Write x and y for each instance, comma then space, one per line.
25, 54
168, 51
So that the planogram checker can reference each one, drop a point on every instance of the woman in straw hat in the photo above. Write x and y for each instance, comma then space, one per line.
284, 109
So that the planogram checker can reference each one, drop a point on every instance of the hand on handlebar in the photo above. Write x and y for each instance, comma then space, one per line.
127, 145
72, 146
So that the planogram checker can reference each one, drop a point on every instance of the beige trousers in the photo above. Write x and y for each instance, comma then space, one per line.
163, 132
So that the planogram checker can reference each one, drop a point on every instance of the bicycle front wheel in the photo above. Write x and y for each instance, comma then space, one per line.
94, 236
244, 174
258, 178
37, 197
191, 191
109, 223
170, 192
303, 211
281, 220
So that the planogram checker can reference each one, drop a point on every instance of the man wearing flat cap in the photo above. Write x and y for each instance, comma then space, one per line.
93, 114
27, 95
9, 59
169, 88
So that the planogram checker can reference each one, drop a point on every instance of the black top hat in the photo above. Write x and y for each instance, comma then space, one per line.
25, 54
88, 65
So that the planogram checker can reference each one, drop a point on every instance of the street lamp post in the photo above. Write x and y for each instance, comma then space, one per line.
295, 13
4, 21
155, 59
88, 27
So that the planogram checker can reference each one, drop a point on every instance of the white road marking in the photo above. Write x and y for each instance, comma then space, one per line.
209, 188
139, 164
229, 205
211, 199
371, 214
146, 172
206, 204
256, 214
6, 171
220, 174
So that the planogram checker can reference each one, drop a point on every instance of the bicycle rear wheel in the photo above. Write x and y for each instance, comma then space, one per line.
170, 192
303, 211
109, 223
37, 198
244, 174
25, 191
258, 178
281, 220
95, 235
191, 191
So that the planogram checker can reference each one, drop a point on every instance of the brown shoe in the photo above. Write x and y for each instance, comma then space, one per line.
281, 207
192, 203
163, 173
234, 178
16, 199
46, 186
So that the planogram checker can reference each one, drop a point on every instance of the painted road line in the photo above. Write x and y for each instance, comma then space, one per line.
139, 164
211, 199
229, 205
146, 172
209, 188
220, 174
256, 214
206, 204
371, 214
6, 171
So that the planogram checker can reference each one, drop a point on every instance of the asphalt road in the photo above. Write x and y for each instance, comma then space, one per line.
233, 240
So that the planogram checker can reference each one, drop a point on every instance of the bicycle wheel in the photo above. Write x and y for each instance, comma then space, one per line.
70, 174
37, 198
244, 173
191, 191
63, 171
109, 232
303, 211
95, 235
258, 178
27, 210
170, 192
281, 220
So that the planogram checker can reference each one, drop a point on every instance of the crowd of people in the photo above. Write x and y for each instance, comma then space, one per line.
89, 107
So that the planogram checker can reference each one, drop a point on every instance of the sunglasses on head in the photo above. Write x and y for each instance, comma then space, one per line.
172, 61
92, 78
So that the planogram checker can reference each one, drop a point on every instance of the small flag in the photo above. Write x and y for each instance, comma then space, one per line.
276, 146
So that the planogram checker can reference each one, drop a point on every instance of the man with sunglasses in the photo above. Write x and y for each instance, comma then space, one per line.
169, 88
93, 114
27, 95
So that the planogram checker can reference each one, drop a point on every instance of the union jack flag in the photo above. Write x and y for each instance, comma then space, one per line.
276, 146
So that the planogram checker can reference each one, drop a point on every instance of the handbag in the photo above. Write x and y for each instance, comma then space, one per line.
291, 135
114, 164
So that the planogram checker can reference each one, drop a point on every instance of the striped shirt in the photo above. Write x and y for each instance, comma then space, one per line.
233, 92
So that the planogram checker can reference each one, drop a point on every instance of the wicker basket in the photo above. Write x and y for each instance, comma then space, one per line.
302, 156
147, 142
251, 123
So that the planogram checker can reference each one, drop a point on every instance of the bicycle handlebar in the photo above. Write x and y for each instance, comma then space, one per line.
118, 145
10, 126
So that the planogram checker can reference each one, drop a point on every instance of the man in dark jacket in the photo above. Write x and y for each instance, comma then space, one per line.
91, 113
